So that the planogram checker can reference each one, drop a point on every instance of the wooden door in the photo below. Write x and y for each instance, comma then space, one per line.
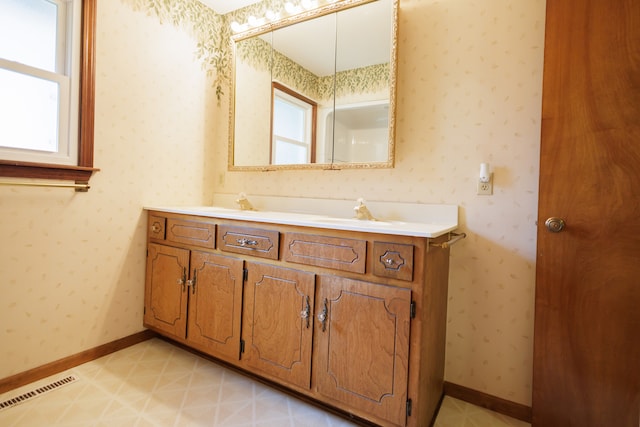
215, 304
361, 352
277, 322
587, 317
166, 289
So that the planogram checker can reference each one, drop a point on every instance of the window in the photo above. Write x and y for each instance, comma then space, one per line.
47, 86
293, 127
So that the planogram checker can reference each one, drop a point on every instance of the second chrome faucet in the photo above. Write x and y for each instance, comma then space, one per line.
244, 203
362, 212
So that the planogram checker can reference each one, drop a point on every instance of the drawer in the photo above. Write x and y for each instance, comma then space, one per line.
324, 251
249, 241
393, 260
194, 233
157, 226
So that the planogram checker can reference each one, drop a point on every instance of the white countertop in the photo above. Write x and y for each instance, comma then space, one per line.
402, 228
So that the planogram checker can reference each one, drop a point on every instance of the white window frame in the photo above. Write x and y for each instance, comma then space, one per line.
68, 78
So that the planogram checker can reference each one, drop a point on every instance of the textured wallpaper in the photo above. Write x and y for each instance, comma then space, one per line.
469, 91
72, 264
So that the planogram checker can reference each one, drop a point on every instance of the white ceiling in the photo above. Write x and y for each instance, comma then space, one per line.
223, 7
364, 34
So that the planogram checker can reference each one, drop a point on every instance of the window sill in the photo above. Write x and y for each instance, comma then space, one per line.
45, 171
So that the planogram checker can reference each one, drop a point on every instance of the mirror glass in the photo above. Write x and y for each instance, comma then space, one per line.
362, 95
253, 99
318, 92
304, 63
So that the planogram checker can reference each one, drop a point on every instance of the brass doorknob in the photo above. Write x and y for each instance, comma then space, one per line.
554, 225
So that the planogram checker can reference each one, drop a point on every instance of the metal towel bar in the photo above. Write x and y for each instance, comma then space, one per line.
81, 187
455, 237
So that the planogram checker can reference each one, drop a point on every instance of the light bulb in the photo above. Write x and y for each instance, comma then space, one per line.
272, 16
255, 22
236, 27
309, 4
291, 9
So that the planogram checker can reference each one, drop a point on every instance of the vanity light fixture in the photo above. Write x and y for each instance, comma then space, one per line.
485, 180
290, 9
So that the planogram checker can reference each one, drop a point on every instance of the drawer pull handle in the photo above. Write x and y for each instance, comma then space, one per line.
305, 314
247, 242
156, 227
322, 317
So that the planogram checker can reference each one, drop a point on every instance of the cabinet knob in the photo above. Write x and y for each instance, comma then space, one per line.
554, 225
392, 260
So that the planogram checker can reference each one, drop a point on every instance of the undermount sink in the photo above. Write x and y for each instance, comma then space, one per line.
356, 221
214, 209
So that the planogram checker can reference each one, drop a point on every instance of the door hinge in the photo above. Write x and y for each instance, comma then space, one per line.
245, 275
409, 407
241, 346
412, 310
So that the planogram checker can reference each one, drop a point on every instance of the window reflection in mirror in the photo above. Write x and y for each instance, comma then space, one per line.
293, 139
304, 62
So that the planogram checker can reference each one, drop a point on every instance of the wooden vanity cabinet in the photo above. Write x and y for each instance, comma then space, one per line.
352, 320
194, 296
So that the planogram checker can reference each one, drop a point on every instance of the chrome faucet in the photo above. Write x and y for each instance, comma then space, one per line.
362, 212
244, 203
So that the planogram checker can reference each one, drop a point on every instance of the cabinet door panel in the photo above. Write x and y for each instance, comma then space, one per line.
166, 295
362, 353
278, 337
215, 304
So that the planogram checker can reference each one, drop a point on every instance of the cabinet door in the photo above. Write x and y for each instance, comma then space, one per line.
166, 289
361, 350
215, 304
277, 326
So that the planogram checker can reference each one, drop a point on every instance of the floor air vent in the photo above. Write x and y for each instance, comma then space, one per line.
37, 392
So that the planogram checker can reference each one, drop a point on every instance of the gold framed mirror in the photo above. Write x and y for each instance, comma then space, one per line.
340, 58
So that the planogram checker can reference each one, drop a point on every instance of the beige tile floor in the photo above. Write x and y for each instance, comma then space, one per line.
157, 384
